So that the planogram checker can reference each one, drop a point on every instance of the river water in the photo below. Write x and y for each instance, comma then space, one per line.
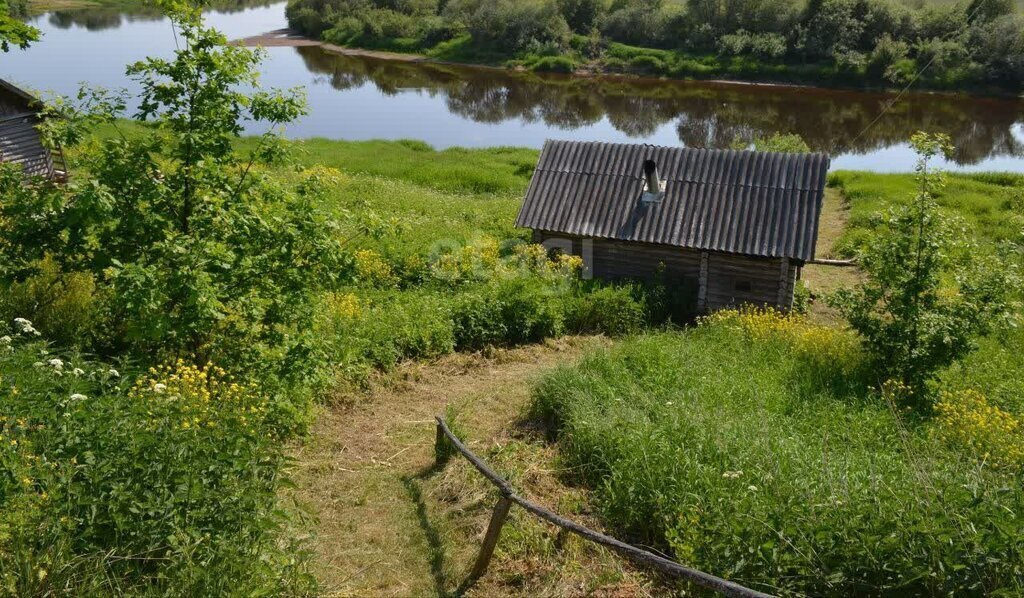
444, 105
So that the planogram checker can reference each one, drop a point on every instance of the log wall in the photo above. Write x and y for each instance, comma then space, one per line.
20, 143
733, 280
720, 279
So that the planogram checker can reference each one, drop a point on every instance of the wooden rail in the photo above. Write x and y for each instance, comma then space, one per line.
841, 263
637, 555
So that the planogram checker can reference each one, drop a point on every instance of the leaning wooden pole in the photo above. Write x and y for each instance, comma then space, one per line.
491, 538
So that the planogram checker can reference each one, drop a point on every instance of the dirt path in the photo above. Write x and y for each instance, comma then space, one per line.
364, 471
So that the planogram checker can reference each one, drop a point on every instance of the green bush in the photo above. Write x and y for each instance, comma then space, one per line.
512, 25
645, 63
378, 330
506, 312
554, 64
928, 293
65, 307
175, 226
755, 452
612, 310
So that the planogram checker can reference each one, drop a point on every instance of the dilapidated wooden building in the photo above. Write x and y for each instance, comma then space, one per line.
20, 141
734, 226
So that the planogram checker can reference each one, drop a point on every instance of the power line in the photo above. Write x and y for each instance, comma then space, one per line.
899, 96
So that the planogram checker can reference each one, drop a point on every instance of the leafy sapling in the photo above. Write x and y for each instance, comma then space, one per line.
929, 292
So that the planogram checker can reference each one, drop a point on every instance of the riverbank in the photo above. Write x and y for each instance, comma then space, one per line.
629, 62
290, 38
821, 46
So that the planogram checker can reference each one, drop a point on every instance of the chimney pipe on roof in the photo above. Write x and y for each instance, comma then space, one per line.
651, 174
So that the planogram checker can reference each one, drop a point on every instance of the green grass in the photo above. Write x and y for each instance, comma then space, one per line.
990, 204
751, 459
499, 171
442, 198
187, 501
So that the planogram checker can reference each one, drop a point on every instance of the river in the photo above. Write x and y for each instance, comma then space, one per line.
446, 105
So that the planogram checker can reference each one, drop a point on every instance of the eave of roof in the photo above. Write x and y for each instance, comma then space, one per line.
28, 98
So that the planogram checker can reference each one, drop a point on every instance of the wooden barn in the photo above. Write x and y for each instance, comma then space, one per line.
20, 141
733, 227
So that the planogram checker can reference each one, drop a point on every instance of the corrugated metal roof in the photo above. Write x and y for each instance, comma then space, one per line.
753, 203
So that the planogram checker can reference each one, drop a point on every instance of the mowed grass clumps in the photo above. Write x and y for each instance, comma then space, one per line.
751, 447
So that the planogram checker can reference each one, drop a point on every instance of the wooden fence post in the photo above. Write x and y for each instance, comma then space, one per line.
440, 451
491, 538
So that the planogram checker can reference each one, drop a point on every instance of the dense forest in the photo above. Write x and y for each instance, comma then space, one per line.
835, 42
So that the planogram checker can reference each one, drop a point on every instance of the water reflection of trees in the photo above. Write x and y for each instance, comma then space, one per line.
706, 115
99, 19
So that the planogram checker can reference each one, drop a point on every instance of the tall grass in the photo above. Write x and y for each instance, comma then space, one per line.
990, 204
759, 453
162, 483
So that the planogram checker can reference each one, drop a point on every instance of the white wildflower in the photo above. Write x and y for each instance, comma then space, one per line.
38, 364
5, 340
78, 397
78, 371
113, 373
56, 363
25, 327
159, 388
732, 475
752, 488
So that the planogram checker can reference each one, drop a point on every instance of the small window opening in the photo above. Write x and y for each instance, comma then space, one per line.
743, 286
654, 187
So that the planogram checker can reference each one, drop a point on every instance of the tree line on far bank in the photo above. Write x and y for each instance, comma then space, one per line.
863, 42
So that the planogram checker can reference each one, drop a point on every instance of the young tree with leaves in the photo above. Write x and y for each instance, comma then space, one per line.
930, 292
198, 251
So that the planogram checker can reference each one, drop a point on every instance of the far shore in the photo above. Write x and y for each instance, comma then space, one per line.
287, 37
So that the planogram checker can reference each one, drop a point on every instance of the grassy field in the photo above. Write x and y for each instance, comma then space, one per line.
769, 460
812, 406
990, 205
801, 421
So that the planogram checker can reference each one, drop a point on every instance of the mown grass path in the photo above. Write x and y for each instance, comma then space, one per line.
362, 471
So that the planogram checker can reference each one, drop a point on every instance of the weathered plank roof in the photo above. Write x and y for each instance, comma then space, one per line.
753, 203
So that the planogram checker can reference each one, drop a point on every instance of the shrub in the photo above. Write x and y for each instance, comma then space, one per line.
582, 15
762, 45
913, 322
514, 25
830, 28
64, 306
554, 64
373, 270
506, 312
998, 46
885, 56
645, 63
179, 227
612, 310
992, 435
638, 23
